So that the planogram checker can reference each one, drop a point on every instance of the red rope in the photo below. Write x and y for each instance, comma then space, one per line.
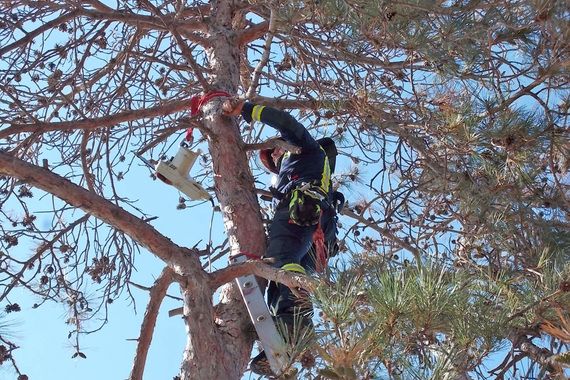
320, 249
189, 135
196, 104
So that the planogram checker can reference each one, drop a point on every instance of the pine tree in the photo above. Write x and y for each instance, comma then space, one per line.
451, 119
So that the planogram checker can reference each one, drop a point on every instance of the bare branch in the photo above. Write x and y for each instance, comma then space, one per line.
264, 58
156, 295
187, 52
97, 206
39, 252
29, 37
106, 121
260, 269
383, 231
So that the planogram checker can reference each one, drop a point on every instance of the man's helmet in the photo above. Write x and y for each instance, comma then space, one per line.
267, 160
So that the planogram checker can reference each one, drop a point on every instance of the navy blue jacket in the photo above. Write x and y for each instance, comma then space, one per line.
310, 166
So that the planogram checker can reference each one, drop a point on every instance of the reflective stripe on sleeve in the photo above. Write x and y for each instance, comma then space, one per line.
326, 176
256, 113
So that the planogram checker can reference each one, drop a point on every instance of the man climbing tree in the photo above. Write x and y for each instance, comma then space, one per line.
304, 212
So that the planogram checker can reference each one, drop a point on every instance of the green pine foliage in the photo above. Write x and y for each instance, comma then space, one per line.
423, 321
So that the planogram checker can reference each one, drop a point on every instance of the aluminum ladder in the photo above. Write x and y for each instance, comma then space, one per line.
267, 332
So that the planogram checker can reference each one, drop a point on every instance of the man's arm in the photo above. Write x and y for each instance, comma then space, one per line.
290, 129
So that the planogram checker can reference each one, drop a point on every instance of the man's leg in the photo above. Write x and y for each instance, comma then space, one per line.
288, 244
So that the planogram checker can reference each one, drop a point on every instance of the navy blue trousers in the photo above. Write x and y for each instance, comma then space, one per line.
290, 243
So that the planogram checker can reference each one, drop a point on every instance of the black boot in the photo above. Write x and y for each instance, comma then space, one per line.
295, 325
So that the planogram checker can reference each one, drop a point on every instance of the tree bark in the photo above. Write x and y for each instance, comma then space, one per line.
234, 184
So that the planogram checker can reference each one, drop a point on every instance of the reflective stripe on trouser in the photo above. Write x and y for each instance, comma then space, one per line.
293, 267
256, 112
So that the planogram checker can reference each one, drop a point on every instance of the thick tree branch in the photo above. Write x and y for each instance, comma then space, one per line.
260, 269
101, 208
542, 356
107, 121
145, 22
252, 33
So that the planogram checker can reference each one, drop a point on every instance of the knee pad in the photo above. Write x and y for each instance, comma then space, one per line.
294, 267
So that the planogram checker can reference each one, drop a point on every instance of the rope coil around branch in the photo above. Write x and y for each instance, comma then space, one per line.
196, 104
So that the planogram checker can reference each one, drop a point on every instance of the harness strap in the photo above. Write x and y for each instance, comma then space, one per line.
320, 249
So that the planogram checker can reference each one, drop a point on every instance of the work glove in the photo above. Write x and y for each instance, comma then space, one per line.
232, 106
305, 207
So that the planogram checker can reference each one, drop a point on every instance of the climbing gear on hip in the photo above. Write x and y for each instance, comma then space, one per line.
305, 205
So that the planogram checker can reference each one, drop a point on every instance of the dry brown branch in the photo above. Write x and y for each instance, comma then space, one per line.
156, 295
264, 58
39, 252
260, 269
252, 33
29, 37
107, 121
187, 53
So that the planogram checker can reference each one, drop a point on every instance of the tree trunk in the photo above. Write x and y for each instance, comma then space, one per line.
235, 192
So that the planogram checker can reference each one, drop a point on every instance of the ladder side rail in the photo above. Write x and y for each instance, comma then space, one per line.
262, 320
